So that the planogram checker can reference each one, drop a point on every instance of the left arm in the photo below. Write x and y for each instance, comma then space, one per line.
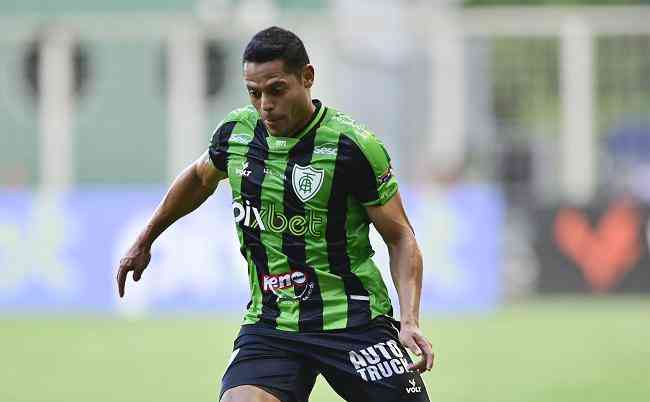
406, 270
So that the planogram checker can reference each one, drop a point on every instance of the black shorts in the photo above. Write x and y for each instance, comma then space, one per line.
365, 364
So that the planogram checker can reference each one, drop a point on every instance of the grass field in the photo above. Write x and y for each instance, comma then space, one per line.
567, 350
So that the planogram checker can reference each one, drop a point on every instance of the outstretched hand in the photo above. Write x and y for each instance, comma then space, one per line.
136, 260
412, 338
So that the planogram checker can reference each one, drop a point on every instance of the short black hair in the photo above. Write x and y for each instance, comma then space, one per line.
275, 43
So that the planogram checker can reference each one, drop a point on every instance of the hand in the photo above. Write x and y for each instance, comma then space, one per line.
136, 260
411, 337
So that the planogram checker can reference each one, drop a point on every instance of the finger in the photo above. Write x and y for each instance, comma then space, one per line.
412, 346
137, 272
419, 366
430, 359
425, 346
121, 280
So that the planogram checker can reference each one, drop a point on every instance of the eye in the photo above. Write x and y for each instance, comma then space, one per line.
277, 90
254, 93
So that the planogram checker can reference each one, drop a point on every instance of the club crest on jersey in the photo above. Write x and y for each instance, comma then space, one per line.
306, 181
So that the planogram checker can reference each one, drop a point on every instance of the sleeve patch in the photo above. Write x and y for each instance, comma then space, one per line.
386, 176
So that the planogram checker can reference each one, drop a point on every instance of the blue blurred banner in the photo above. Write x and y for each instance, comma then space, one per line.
59, 253
460, 230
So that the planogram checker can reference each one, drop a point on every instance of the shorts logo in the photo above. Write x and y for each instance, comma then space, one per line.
379, 361
290, 286
306, 181
413, 389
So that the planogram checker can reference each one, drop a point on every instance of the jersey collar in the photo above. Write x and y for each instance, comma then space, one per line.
315, 118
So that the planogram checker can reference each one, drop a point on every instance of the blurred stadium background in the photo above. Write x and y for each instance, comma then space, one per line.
520, 131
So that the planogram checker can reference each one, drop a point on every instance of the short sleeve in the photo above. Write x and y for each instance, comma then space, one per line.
370, 175
218, 148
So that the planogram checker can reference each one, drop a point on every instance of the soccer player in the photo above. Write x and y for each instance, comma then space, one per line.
306, 182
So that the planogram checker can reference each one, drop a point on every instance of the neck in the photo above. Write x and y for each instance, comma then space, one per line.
307, 116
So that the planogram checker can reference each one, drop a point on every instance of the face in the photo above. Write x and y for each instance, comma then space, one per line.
282, 99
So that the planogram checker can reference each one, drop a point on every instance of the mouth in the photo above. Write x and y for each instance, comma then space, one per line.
273, 121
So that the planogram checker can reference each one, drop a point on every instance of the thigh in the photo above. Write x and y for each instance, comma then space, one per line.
370, 365
257, 361
249, 393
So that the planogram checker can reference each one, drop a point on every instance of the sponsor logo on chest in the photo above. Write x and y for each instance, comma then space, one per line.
283, 281
289, 287
270, 217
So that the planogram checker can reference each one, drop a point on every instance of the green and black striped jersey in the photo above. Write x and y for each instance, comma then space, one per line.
298, 205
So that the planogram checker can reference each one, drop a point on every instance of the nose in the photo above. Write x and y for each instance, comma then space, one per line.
267, 105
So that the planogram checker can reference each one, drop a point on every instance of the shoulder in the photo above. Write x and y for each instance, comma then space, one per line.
356, 135
234, 131
246, 116
237, 127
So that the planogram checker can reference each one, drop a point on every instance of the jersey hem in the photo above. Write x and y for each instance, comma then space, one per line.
263, 327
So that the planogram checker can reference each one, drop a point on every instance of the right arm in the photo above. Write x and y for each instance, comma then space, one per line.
188, 191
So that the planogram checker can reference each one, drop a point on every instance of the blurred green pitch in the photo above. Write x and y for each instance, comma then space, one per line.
567, 350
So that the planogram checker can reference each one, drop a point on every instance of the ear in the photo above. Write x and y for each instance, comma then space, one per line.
308, 76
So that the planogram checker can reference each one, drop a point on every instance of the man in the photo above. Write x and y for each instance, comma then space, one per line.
306, 183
